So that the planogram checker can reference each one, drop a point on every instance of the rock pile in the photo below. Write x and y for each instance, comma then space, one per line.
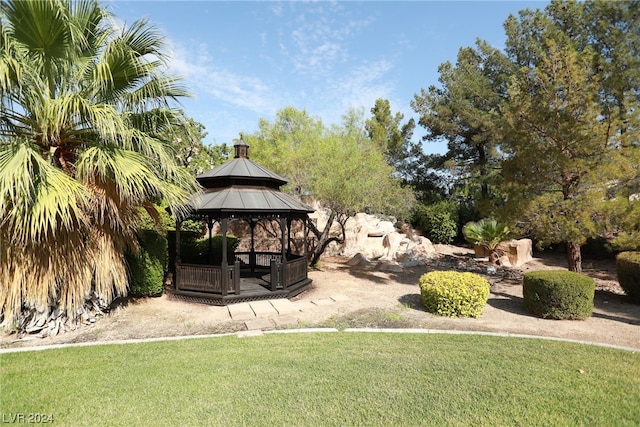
370, 238
48, 323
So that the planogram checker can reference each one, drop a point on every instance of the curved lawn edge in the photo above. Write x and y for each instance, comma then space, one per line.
258, 332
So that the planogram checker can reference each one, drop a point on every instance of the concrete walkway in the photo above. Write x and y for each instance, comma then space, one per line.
277, 312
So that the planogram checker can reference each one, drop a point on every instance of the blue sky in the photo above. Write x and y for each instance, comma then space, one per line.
246, 60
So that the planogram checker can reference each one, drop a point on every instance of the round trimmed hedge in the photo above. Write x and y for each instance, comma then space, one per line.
454, 294
628, 271
558, 294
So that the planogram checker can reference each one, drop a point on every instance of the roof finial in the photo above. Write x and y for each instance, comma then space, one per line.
241, 149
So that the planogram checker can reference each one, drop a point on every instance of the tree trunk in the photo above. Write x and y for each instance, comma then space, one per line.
574, 257
482, 163
323, 238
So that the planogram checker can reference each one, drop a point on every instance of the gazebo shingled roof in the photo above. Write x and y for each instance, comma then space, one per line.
247, 200
242, 186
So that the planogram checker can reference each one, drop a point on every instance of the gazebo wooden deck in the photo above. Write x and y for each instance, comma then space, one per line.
242, 190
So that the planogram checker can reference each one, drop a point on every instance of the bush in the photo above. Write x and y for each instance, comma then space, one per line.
216, 247
450, 293
195, 250
487, 233
558, 294
188, 247
438, 221
628, 270
147, 267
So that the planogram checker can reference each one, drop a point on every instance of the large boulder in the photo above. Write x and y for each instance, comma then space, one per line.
519, 252
391, 243
365, 234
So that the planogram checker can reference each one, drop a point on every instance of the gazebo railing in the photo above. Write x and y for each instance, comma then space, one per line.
295, 271
208, 278
292, 272
202, 280
262, 259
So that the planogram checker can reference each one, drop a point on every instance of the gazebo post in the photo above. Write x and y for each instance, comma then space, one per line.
283, 224
177, 251
177, 260
224, 276
289, 237
305, 234
209, 249
283, 245
252, 253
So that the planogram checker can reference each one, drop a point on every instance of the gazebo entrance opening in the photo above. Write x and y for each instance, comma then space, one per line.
242, 191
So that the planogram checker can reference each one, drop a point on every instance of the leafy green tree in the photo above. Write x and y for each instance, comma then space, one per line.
340, 167
465, 111
610, 29
186, 136
288, 146
80, 101
613, 32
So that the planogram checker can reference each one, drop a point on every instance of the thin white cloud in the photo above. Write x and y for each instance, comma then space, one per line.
363, 85
276, 8
205, 78
319, 39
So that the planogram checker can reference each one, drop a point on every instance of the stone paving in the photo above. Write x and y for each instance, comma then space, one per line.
269, 313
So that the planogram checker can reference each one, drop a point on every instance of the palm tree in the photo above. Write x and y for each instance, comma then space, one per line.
81, 101
486, 234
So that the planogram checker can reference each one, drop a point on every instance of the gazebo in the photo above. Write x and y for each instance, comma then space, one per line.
242, 190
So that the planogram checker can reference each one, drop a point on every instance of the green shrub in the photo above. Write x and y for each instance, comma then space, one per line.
438, 221
166, 223
188, 247
195, 249
558, 294
450, 293
628, 270
216, 247
147, 267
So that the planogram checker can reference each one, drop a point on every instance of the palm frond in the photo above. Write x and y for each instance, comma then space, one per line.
40, 27
487, 232
155, 93
144, 39
39, 198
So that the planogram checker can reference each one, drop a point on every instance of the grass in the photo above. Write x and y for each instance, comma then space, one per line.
327, 379
370, 318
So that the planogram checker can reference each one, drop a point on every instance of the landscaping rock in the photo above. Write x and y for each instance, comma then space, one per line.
519, 251
389, 266
359, 260
374, 238
504, 261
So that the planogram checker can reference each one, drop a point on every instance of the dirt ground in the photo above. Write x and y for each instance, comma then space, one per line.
345, 296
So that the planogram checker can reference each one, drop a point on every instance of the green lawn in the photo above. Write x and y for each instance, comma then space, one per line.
327, 379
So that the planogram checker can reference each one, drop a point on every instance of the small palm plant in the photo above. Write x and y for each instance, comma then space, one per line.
486, 234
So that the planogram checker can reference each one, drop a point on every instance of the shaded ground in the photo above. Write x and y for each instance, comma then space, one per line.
344, 296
